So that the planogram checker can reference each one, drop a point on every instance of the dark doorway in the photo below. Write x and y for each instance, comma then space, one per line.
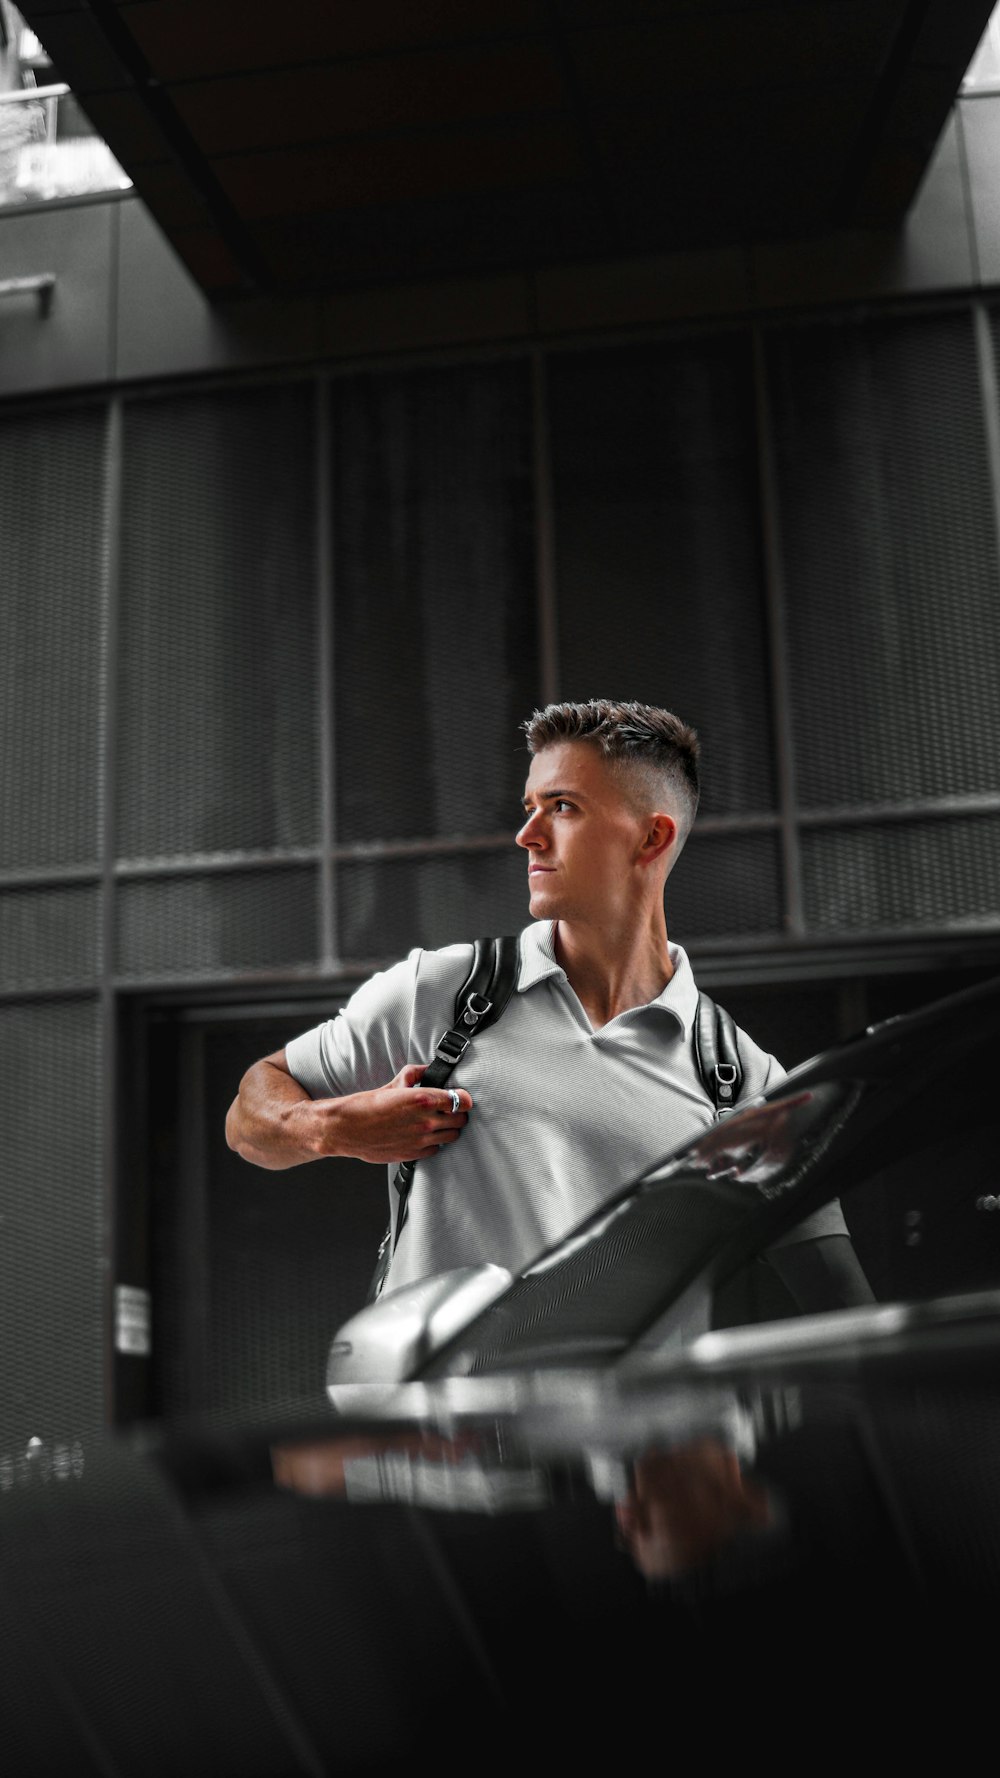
251, 1271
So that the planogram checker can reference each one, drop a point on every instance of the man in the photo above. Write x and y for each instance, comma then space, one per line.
590, 1075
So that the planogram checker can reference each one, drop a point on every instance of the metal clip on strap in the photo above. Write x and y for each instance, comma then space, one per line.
451, 1049
476, 1008
725, 1079
454, 1043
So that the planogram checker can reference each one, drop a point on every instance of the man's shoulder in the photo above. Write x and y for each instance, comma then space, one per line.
421, 971
425, 973
443, 970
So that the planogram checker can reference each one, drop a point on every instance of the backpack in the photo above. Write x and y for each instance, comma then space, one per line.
481, 1000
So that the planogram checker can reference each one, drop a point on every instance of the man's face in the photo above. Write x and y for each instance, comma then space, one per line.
584, 841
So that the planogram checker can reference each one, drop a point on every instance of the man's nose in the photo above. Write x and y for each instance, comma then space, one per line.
530, 834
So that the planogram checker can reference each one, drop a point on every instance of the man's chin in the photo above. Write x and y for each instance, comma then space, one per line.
543, 900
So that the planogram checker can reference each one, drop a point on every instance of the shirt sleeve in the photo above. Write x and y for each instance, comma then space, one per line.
366, 1044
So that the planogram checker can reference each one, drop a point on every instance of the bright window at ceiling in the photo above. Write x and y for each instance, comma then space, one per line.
48, 148
983, 73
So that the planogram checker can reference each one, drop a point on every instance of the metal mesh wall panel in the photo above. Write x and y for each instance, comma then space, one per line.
434, 600
658, 546
218, 922
725, 885
51, 1306
218, 631
51, 503
48, 937
386, 908
936, 874
893, 584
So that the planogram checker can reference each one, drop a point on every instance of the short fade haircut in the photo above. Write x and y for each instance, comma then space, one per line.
654, 752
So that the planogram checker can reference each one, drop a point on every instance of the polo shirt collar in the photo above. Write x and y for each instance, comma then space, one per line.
538, 963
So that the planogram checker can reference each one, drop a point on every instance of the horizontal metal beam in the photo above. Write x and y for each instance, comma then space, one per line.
195, 864
24, 95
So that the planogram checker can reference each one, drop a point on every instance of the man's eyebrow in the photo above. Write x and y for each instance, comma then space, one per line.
548, 795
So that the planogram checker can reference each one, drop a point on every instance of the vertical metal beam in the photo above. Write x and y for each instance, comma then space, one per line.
545, 553
986, 364
774, 591
106, 780
328, 945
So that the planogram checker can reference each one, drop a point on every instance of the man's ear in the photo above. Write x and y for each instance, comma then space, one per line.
661, 832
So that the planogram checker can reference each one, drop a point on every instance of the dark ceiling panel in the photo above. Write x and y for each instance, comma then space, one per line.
769, 47
433, 89
326, 146
187, 39
478, 233
329, 177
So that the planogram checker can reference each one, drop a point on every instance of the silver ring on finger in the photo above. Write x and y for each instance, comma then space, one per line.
456, 1103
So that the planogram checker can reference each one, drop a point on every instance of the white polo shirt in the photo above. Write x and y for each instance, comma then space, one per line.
563, 1115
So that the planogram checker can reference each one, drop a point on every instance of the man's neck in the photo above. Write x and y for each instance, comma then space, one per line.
611, 972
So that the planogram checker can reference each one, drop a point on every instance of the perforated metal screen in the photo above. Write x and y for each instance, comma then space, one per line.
434, 600
49, 936
385, 908
890, 556
223, 922
51, 537
658, 548
216, 666
725, 884
52, 1300
903, 874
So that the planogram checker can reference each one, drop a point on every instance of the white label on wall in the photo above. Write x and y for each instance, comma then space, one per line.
132, 1319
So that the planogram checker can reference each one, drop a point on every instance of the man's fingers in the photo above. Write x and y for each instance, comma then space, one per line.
410, 1075
449, 1102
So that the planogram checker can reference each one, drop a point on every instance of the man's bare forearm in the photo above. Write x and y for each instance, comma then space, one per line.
268, 1121
274, 1122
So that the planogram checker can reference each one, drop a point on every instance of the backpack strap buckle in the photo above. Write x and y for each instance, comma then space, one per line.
452, 1047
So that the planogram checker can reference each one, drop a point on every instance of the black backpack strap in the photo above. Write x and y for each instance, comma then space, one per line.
479, 1002
718, 1057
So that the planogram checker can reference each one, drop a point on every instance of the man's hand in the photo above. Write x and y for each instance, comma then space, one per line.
274, 1123
399, 1122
